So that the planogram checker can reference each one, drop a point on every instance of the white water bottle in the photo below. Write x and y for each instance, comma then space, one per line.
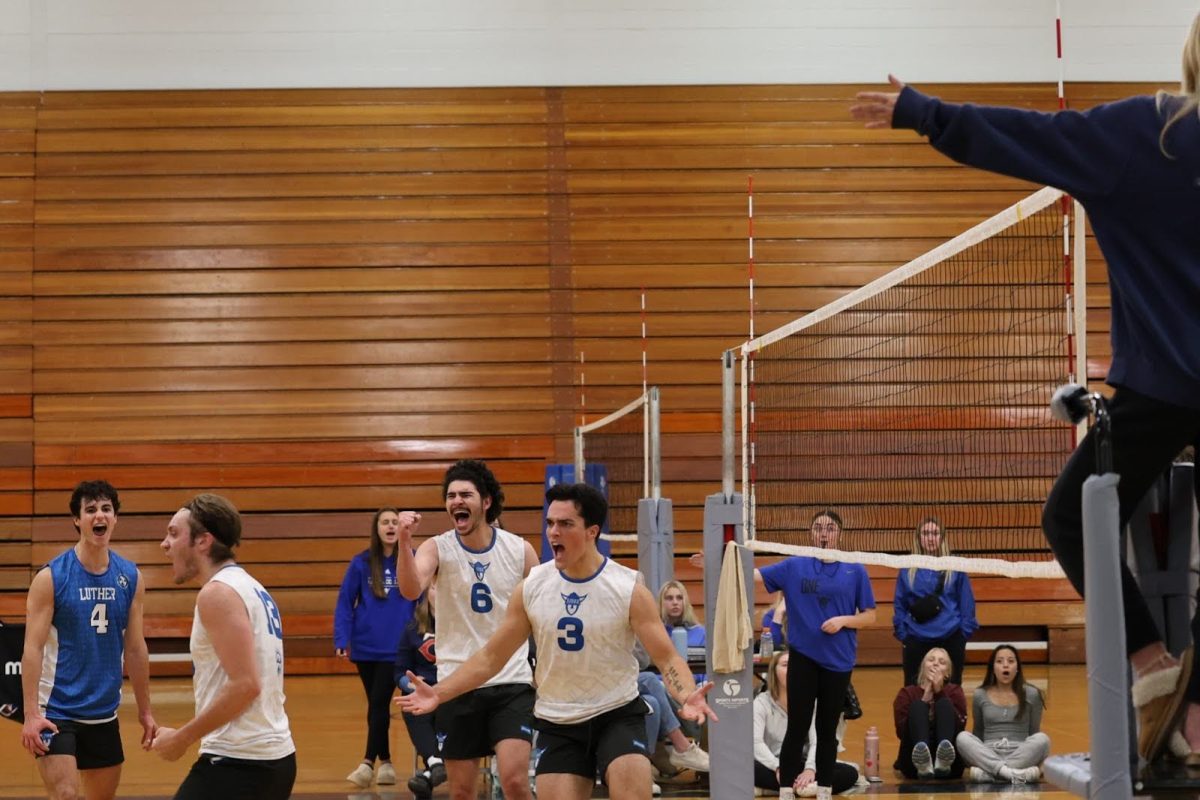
871, 754
766, 647
679, 637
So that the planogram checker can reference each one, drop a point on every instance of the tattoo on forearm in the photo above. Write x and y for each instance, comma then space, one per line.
674, 682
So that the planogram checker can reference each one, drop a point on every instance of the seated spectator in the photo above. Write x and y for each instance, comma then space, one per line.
661, 722
418, 652
929, 716
770, 726
676, 610
1006, 742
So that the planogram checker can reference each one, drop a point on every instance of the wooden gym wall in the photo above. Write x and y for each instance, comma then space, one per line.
313, 301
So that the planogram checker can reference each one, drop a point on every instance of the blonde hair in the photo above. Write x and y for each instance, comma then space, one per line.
779, 693
917, 550
1187, 99
689, 616
922, 680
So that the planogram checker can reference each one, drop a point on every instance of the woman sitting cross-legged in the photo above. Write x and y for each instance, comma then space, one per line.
929, 716
770, 726
1006, 742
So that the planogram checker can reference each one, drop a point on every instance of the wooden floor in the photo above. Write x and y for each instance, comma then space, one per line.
327, 715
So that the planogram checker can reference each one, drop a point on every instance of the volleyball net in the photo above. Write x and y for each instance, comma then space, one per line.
922, 394
620, 455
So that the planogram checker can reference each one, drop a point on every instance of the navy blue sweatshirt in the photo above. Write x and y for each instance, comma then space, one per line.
1144, 209
418, 652
370, 626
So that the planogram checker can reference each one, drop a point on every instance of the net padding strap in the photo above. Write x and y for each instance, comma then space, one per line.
977, 566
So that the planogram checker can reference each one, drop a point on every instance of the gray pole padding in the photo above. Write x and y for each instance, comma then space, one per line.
731, 740
1108, 671
656, 542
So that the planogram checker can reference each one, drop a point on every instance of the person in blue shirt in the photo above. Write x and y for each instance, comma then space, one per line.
367, 625
1134, 165
418, 653
933, 608
827, 602
83, 619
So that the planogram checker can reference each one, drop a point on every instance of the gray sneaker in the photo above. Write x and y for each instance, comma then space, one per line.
944, 758
922, 760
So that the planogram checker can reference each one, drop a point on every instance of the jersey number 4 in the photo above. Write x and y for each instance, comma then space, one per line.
100, 617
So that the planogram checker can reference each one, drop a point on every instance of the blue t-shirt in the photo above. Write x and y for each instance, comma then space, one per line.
814, 592
82, 665
370, 626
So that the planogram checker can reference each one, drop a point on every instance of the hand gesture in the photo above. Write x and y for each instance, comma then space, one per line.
875, 109
407, 522
695, 707
169, 744
833, 624
32, 738
422, 699
804, 779
340, 652
149, 728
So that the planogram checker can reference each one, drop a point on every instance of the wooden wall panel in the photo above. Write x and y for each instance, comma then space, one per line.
316, 300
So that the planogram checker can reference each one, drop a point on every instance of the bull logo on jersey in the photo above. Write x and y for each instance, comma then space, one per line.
480, 569
572, 601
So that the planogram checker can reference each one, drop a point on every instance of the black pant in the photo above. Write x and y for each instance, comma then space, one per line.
1147, 435
921, 728
420, 730
218, 778
914, 651
810, 684
844, 776
378, 682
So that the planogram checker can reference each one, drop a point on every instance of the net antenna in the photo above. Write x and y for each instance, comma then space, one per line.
627, 444
922, 393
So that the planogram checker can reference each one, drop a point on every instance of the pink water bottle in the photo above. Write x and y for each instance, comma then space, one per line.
871, 754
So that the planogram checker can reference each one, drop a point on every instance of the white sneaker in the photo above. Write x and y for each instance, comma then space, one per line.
978, 775
786, 793
944, 758
1026, 775
363, 775
922, 760
655, 789
386, 774
809, 790
693, 758
824, 793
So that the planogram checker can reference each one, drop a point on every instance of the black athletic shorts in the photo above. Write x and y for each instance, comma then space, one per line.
94, 746
587, 748
469, 726
220, 778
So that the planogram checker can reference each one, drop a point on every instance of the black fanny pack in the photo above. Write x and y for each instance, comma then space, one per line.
929, 606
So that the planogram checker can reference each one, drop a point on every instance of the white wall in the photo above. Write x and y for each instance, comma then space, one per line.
143, 44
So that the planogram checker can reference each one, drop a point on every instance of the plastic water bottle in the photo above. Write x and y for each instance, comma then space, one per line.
871, 754
679, 638
766, 647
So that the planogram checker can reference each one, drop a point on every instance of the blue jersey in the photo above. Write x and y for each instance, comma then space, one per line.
82, 661
816, 591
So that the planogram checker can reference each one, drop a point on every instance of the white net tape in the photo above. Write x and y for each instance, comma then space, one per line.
978, 566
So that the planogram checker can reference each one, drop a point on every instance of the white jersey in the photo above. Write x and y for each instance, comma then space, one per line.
261, 732
473, 589
584, 639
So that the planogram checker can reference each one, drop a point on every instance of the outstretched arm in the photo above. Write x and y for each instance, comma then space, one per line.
512, 633
647, 626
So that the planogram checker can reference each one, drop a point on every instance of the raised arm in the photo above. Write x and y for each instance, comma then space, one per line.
39, 612
137, 662
414, 571
224, 616
514, 631
677, 678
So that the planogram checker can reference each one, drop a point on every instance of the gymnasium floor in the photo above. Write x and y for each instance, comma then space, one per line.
327, 723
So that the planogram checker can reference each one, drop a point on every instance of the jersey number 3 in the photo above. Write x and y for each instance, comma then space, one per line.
571, 637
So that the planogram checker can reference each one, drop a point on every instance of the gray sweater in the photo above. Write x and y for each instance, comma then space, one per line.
993, 723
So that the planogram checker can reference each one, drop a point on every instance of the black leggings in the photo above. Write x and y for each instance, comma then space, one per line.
944, 726
809, 685
219, 778
420, 730
378, 682
1147, 435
